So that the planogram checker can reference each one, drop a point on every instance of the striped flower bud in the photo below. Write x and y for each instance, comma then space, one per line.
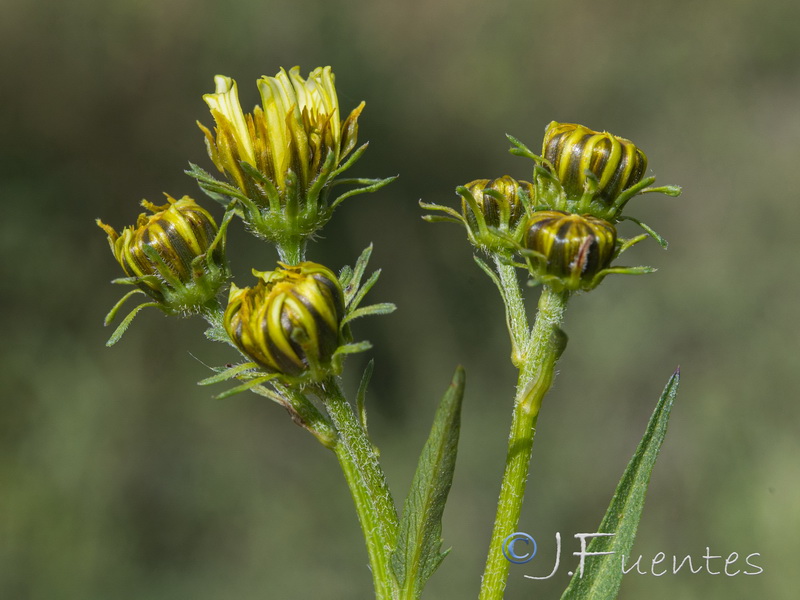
576, 151
569, 250
492, 210
173, 255
501, 209
290, 321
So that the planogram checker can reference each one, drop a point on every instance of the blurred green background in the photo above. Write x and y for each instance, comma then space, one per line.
120, 478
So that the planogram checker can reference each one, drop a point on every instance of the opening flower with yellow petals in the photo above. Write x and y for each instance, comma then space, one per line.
282, 160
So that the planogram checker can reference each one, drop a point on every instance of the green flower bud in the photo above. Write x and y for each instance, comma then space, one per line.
492, 210
173, 255
569, 251
291, 321
577, 154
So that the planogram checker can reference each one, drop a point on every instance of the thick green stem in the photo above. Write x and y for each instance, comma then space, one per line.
535, 379
292, 249
373, 501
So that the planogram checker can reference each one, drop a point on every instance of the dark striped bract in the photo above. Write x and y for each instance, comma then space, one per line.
502, 212
570, 249
574, 149
289, 321
161, 249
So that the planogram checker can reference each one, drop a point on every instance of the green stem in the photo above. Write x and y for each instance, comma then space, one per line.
306, 415
292, 249
516, 317
373, 501
535, 379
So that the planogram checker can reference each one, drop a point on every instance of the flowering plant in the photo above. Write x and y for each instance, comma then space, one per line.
291, 329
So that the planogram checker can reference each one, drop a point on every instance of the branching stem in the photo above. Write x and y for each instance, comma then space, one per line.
540, 354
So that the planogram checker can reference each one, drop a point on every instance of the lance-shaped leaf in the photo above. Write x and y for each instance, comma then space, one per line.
418, 552
602, 574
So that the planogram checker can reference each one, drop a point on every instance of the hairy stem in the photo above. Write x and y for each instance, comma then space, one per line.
367, 483
292, 249
516, 317
535, 379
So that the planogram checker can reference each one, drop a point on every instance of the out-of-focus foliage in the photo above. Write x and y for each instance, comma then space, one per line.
120, 478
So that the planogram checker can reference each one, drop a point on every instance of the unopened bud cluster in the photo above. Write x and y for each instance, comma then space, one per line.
563, 222
280, 162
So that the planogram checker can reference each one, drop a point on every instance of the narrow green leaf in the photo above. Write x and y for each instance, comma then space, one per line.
217, 190
376, 185
358, 296
445, 209
492, 275
384, 308
245, 386
352, 348
123, 327
361, 397
345, 275
625, 244
602, 575
115, 309
358, 272
520, 148
418, 552
651, 232
669, 190
440, 219
351, 161
228, 373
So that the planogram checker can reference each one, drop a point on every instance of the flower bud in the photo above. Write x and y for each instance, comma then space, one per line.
173, 255
574, 151
569, 250
290, 321
501, 210
492, 210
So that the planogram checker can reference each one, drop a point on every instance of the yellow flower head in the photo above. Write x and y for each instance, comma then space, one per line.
298, 130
